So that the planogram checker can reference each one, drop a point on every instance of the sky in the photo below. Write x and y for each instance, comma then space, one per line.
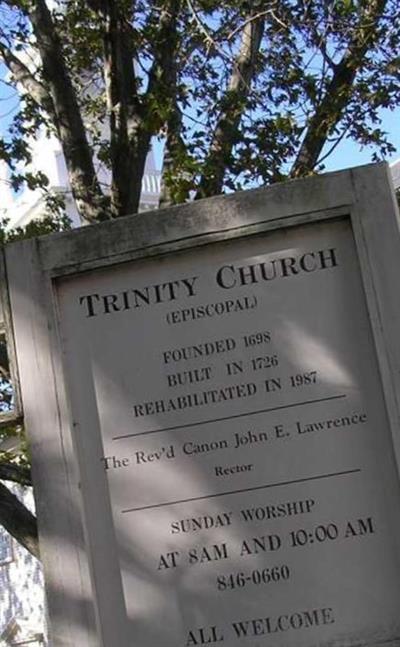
349, 154
346, 155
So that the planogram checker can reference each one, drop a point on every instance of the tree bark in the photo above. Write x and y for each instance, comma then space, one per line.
16, 473
124, 110
37, 90
174, 147
91, 203
330, 110
232, 108
18, 521
133, 119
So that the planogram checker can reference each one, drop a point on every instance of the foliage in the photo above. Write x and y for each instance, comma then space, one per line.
235, 108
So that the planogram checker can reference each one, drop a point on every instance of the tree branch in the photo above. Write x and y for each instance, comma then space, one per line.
133, 119
232, 108
174, 148
338, 91
18, 521
124, 108
163, 87
91, 203
256, 17
209, 39
26, 78
16, 473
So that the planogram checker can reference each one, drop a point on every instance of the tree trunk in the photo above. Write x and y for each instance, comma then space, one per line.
124, 112
18, 521
232, 108
174, 148
337, 94
91, 203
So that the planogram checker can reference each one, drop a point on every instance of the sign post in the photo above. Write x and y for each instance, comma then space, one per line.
212, 395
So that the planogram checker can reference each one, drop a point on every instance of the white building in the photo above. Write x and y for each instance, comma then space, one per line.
395, 171
48, 157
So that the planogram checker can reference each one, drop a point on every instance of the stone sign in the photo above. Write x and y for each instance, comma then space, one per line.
228, 418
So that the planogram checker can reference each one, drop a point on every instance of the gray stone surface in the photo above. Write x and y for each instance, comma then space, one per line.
220, 388
395, 172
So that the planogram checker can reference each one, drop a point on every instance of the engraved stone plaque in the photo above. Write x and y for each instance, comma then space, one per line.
245, 440
212, 396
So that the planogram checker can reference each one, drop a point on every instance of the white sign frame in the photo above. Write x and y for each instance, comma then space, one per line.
84, 590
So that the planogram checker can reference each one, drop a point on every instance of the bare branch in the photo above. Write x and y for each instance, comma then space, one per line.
256, 17
335, 144
16, 473
27, 79
203, 29
18, 521
209, 39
